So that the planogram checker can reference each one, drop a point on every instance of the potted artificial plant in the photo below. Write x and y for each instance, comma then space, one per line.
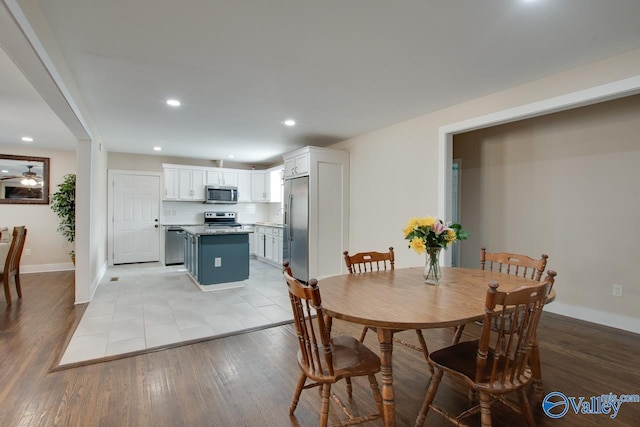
63, 203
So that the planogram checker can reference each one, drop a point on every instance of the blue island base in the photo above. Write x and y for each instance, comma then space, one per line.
217, 260
223, 258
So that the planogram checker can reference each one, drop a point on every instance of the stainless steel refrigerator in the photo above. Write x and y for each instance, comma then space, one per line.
296, 226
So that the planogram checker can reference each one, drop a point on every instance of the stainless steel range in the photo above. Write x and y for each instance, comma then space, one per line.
221, 220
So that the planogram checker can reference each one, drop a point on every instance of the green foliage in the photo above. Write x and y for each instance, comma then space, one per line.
63, 203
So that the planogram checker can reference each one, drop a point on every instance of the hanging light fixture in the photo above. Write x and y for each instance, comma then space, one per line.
29, 177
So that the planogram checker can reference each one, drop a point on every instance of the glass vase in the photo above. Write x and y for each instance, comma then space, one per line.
432, 266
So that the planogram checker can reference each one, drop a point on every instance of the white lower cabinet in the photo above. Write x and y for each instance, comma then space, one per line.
260, 249
280, 245
269, 244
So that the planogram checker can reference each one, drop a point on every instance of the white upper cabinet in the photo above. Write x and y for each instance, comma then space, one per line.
184, 183
191, 184
260, 186
276, 178
171, 181
198, 183
244, 186
266, 185
297, 165
187, 183
222, 178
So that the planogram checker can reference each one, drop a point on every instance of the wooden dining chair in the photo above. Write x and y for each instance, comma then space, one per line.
12, 262
509, 263
364, 262
523, 266
498, 363
519, 265
325, 360
369, 261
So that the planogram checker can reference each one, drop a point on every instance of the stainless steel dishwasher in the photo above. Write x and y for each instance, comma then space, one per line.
174, 246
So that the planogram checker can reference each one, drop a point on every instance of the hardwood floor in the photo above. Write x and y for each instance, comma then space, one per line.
245, 380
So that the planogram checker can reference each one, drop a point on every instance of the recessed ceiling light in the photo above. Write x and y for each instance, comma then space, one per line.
157, 148
4, 171
231, 156
27, 139
173, 102
289, 122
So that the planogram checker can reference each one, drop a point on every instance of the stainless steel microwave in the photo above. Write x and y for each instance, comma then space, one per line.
223, 195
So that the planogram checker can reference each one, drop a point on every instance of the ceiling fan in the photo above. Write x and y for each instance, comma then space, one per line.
29, 177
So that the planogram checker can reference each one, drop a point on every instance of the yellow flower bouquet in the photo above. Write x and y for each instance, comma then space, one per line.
429, 232
430, 235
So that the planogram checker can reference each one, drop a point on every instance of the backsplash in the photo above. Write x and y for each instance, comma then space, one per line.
183, 213
275, 213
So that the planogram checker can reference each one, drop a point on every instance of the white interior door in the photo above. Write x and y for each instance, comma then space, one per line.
136, 215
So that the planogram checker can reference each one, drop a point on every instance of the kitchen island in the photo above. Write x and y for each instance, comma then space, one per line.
217, 258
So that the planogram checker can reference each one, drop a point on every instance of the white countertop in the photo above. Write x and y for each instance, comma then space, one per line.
263, 224
270, 224
201, 230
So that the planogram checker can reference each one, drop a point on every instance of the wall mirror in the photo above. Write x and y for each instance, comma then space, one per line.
24, 179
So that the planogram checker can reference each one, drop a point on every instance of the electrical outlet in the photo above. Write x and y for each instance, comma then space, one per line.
616, 290
217, 262
27, 252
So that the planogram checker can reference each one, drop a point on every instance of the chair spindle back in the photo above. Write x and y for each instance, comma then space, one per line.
519, 265
517, 315
313, 334
363, 262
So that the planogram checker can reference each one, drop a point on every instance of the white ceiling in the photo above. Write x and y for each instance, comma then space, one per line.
24, 113
339, 68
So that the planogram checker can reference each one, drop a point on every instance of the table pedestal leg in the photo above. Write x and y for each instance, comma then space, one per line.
385, 337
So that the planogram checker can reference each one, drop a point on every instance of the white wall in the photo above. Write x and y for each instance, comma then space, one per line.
565, 185
394, 171
153, 162
49, 249
99, 216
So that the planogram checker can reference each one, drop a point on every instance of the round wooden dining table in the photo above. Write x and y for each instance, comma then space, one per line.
399, 299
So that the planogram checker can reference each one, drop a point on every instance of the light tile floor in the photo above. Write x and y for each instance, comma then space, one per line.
142, 306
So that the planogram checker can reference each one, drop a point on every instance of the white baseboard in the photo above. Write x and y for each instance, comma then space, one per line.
98, 279
44, 268
95, 283
613, 320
